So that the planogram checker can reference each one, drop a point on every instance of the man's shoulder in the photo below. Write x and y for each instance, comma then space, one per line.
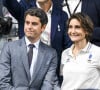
47, 47
13, 43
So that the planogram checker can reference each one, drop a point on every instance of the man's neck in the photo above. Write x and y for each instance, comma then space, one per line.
45, 5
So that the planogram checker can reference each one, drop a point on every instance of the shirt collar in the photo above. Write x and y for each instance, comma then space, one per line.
49, 11
85, 49
28, 42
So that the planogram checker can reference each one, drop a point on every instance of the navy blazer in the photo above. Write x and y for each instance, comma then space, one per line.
31, 3
92, 9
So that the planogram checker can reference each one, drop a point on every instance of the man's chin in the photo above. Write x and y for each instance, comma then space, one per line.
30, 37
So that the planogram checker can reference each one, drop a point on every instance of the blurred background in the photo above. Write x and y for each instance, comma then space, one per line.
8, 26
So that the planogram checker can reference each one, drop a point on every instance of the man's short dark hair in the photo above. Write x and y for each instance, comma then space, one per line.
38, 13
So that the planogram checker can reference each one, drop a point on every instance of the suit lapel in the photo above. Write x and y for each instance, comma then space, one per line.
39, 62
24, 58
84, 5
54, 22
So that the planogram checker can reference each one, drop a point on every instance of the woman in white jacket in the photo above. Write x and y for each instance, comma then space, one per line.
81, 62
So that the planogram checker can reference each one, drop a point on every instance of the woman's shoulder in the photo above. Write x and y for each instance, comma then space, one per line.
66, 51
95, 48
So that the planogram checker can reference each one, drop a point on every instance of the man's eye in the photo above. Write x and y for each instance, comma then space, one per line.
34, 23
69, 26
27, 22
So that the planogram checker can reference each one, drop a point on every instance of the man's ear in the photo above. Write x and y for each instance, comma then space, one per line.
43, 27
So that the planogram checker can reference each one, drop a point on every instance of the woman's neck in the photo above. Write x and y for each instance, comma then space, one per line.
78, 46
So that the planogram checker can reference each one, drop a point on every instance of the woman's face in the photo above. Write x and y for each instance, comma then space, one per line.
75, 31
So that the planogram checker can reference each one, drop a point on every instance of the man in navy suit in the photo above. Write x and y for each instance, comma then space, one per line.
89, 7
55, 34
15, 71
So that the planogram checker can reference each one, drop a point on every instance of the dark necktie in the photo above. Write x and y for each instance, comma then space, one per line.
30, 53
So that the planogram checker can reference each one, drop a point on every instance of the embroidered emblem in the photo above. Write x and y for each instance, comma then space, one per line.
59, 28
67, 60
89, 59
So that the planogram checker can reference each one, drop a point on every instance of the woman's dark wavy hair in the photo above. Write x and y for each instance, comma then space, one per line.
85, 22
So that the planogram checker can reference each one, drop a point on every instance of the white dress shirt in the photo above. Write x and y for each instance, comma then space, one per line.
35, 53
45, 36
82, 71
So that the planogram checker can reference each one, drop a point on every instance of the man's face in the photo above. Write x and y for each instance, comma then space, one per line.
33, 28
